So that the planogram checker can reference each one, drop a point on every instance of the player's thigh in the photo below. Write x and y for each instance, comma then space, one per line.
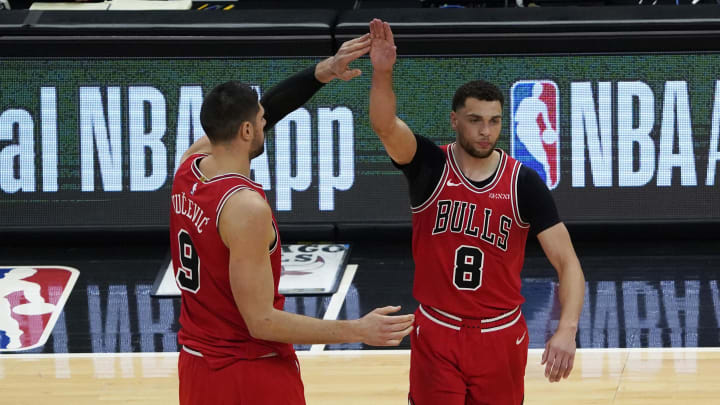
193, 375
503, 362
434, 375
274, 380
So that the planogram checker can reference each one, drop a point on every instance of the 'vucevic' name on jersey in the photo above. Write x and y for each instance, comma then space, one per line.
469, 242
182, 205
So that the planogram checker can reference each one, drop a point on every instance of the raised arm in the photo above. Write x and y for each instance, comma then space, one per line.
245, 227
296, 90
395, 135
559, 353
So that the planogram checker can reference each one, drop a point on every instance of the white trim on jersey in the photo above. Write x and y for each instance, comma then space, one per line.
195, 167
200, 176
227, 196
466, 182
438, 188
224, 199
514, 196
275, 241
437, 321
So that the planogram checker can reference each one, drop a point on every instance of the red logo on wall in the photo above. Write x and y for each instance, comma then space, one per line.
31, 300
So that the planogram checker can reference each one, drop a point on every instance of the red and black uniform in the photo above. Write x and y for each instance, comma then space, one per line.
220, 362
214, 335
470, 343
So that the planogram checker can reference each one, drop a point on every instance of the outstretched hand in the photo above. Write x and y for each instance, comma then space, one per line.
337, 66
383, 51
559, 355
378, 328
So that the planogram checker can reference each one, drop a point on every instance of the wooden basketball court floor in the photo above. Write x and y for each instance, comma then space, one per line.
378, 377
649, 332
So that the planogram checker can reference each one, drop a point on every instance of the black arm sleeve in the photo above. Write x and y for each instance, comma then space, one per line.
288, 95
535, 201
424, 171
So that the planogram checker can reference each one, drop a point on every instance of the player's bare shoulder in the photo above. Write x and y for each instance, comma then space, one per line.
246, 211
248, 204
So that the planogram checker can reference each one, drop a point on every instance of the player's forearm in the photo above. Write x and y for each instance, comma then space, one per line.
383, 107
286, 327
571, 294
323, 70
289, 95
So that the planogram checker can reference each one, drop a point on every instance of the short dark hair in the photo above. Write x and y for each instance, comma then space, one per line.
479, 89
225, 108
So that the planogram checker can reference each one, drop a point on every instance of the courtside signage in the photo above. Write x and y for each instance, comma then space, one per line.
31, 300
314, 268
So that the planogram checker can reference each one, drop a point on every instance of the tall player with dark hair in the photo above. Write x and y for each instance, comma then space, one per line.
236, 338
473, 207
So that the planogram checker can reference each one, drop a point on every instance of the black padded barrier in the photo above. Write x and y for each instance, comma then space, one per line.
419, 31
12, 21
542, 30
173, 33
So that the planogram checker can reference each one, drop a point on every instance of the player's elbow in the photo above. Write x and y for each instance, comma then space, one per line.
384, 129
568, 267
259, 326
255, 329
256, 332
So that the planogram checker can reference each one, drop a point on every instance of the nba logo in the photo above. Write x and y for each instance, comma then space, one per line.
31, 300
534, 123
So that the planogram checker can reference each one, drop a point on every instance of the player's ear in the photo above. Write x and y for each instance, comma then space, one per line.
453, 120
246, 131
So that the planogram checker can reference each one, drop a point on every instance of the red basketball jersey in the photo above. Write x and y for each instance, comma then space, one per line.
469, 242
210, 321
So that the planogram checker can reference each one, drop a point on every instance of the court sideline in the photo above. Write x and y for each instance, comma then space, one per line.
601, 376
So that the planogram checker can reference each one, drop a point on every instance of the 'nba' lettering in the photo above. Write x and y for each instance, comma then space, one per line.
123, 133
640, 155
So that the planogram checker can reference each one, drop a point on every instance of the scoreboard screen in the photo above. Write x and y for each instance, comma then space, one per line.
94, 143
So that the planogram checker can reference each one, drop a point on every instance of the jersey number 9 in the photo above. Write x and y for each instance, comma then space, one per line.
188, 275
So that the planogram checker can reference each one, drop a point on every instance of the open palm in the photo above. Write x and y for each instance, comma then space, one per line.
383, 49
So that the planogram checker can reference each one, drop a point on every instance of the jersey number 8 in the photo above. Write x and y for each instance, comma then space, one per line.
467, 273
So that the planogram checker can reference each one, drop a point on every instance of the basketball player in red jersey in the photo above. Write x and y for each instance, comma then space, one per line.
473, 207
236, 339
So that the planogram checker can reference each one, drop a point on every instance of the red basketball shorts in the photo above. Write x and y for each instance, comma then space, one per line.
456, 361
270, 380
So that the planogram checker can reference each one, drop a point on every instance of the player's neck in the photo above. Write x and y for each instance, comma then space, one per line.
223, 161
477, 169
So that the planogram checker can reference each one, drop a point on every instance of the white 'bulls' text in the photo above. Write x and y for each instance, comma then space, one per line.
459, 216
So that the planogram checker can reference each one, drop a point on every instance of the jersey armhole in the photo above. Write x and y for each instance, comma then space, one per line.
438, 187
221, 204
274, 244
223, 200
514, 196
